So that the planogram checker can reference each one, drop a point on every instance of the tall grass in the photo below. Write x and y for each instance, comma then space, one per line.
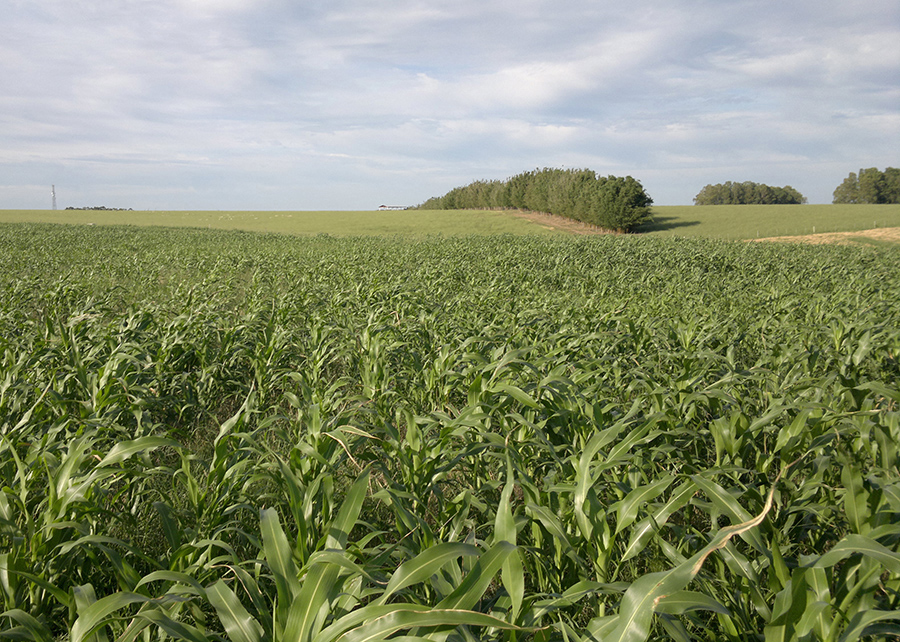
213, 435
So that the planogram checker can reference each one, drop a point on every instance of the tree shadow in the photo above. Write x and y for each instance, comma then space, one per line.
661, 223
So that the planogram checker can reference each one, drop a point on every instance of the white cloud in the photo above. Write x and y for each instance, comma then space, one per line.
194, 103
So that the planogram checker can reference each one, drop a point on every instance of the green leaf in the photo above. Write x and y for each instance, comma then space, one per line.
93, 614
855, 499
169, 524
175, 629
125, 449
424, 565
635, 615
761, 422
239, 624
341, 559
280, 561
863, 348
309, 607
857, 626
788, 433
638, 498
814, 619
226, 428
646, 527
172, 576
36, 630
61, 596
400, 619
363, 615
517, 393
790, 605
859, 544
725, 502
472, 588
511, 572
583, 478
879, 388
681, 602
349, 513
674, 628
552, 523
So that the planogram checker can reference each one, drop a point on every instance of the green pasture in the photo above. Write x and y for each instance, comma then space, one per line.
405, 223
712, 221
760, 221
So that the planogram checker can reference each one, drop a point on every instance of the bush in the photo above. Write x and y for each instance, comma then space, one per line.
610, 202
748, 193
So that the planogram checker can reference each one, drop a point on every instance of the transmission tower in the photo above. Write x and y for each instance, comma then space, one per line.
53, 193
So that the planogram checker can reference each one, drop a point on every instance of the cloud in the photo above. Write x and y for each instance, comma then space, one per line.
271, 103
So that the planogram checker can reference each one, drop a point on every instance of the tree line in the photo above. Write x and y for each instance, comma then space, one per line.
748, 193
870, 186
609, 202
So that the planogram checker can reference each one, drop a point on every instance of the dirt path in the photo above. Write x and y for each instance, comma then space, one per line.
881, 234
551, 222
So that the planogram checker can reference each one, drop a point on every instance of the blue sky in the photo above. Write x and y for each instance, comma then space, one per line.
350, 104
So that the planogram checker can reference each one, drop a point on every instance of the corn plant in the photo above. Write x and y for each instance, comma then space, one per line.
212, 435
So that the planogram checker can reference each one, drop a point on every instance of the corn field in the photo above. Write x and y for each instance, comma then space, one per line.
231, 436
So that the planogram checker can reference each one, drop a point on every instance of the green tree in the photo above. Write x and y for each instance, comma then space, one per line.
610, 202
870, 186
748, 193
847, 191
892, 185
623, 204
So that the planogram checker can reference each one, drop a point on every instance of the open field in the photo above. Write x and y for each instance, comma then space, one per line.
877, 237
407, 223
717, 221
212, 435
760, 221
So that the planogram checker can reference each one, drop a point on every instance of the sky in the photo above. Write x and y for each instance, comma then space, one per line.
352, 104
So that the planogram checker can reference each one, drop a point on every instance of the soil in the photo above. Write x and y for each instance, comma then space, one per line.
881, 234
552, 222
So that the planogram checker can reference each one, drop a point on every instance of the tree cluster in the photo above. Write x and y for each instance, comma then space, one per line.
870, 186
748, 193
609, 202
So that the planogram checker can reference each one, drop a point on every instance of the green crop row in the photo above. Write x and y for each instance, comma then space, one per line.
222, 435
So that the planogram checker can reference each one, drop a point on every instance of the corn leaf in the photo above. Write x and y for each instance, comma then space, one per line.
385, 626
424, 565
280, 560
238, 623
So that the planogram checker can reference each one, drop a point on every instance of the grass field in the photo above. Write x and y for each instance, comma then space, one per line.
722, 221
217, 435
760, 221
407, 223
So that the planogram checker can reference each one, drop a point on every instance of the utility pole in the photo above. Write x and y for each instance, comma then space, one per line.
53, 193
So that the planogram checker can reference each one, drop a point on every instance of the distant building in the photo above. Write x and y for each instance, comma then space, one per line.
391, 207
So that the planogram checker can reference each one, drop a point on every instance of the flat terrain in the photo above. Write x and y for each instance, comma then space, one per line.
761, 221
879, 236
406, 223
714, 221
